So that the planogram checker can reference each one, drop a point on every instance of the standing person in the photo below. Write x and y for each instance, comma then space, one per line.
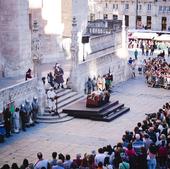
100, 83
28, 74
152, 156
35, 108
28, 109
136, 54
51, 102
7, 121
23, 117
16, 117
168, 51
50, 79
88, 86
58, 73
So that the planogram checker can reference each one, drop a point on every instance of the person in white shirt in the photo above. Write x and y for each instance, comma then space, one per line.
100, 156
16, 117
41, 162
51, 100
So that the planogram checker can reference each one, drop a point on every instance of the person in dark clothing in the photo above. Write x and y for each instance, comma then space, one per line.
142, 159
7, 121
14, 166
28, 74
23, 116
25, 164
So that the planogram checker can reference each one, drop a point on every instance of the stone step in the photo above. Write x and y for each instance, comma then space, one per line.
112, 110
58, 120
66, 96
69, 100
50, 117
112, 115
62, 92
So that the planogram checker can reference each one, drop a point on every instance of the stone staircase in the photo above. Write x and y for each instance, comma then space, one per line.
66, 98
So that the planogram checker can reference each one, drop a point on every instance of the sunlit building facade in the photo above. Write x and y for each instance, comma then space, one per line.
139, 14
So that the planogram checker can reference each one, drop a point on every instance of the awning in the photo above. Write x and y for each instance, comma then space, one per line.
163, 37
143, 35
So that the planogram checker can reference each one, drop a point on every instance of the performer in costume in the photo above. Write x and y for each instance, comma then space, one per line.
23, 116
35, 108
51, 101
58, 74
16, 117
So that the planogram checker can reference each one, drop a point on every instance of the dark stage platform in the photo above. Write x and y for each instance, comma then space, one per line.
107, 112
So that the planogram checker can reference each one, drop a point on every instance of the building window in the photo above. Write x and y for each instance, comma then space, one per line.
106, 5
164, 8
148, 22
92, 17
164, 23
126, 6
105, 16
168, 8
140, 7
114, 6
160, 8
126, 20
115, 17
30, 21
139, 22
149, 7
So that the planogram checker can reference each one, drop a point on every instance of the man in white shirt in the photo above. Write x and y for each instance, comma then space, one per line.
51, 100
41, 162
100, 156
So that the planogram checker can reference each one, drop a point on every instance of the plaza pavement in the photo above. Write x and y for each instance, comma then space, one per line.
81, 135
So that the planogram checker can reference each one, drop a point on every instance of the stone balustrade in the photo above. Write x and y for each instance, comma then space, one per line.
19, 92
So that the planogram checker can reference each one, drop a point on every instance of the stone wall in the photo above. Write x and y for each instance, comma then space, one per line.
19, 92
15, 38
100, 64
98, 43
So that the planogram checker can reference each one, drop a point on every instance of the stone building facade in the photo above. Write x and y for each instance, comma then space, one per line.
147, 14
15, 38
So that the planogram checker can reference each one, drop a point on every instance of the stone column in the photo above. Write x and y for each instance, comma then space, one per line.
15, 37
74, 53
37, 57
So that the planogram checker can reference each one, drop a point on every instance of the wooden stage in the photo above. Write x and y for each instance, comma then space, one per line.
107, 112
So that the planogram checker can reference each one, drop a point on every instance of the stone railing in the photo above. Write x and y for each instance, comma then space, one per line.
19, 92
99, 27
98, 43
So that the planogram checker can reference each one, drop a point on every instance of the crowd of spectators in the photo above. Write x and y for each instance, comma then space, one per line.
149, 46
146, 147
157, 72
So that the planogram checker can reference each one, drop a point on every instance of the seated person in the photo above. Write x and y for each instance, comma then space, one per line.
97, 99
28, 74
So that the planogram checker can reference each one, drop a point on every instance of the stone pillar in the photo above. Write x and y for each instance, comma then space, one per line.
37, 57
74, 53
15, 37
